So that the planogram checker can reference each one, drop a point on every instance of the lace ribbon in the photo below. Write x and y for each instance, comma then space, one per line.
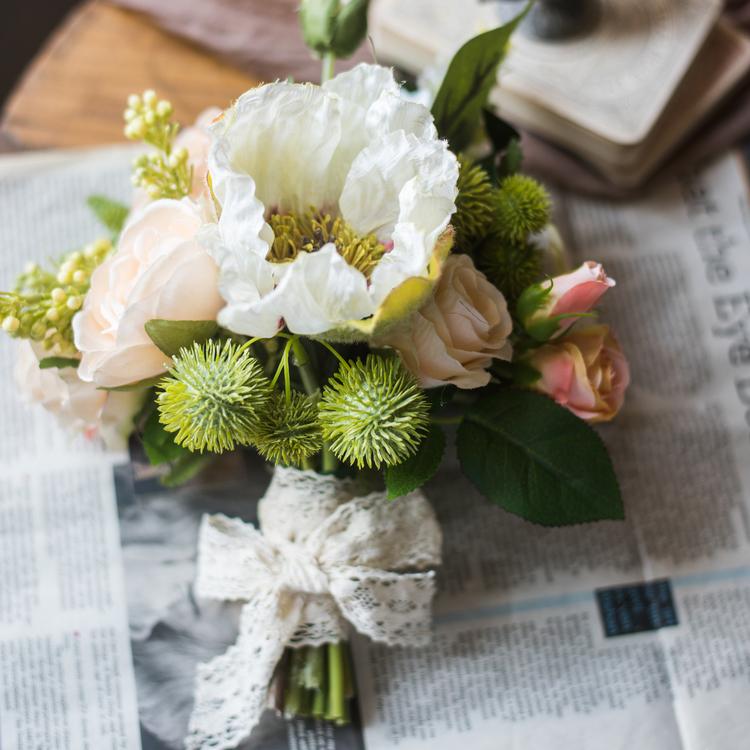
325, 559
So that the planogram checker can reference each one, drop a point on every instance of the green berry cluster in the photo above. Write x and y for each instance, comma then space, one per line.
497, 225
165, 172
43, 303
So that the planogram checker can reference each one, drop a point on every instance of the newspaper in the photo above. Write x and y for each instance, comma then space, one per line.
629, 634
66, 674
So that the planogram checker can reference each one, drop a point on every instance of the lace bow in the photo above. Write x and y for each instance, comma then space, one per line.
325, 560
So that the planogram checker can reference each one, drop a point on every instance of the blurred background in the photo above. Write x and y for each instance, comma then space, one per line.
26, 25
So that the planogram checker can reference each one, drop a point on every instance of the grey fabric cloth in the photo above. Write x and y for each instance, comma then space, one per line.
263, 37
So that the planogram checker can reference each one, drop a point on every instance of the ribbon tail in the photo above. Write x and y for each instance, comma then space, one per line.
231, 690
391, 608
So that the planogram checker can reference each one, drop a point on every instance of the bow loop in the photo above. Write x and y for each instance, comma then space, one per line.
339, 559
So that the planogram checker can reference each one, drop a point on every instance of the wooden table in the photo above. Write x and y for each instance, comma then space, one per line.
74, 91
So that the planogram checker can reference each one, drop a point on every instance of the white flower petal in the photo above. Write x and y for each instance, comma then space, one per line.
321, 291
280, 139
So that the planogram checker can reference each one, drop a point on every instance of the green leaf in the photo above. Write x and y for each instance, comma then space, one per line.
110, 213
136, 386
159, 444
511, 160
350, 28
500, 133
538, 460
186, 467
467, 84
47, 362
172, 335
415, 471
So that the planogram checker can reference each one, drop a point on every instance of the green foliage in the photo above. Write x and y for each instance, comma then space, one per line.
374, 413
511, 160
330, 26
289, 431
474, 205
185, 468
417, 469
522, 208
172, 335
110, 213
467, 84
159, 444
215, 397
59, 362
510, 267
536, 459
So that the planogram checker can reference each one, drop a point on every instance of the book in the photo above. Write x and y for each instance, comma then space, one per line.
622, 97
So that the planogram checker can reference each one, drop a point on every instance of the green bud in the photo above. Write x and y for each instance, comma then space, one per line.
522, 208
330, 26
374, 413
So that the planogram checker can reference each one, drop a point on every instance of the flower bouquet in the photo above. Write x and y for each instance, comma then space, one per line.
330, 275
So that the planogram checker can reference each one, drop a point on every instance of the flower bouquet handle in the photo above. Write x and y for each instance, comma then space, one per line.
329, 274
324, 561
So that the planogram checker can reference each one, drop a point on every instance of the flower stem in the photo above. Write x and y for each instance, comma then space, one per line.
336, 709
327, 67
446, 420
329, 462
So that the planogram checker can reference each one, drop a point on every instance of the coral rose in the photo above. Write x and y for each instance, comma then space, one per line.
585, 372
454, 337
157, 271
77, 405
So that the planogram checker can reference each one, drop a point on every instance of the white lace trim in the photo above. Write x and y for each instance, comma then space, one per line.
325, 560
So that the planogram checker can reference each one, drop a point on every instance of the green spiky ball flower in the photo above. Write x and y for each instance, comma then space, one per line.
510, 267
475, 205
522, 207
373, 413
214, 397
290, 431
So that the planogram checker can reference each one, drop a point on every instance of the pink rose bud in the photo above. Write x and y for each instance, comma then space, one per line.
549, 311
586, 372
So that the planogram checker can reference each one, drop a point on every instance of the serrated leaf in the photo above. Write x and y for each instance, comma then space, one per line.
172, 335
48, 362
415, 471
110, 213
467, 84
538, 460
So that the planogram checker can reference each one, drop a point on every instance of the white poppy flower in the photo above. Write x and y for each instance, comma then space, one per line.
351, 171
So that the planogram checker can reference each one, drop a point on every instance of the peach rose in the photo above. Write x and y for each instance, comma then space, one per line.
586, 371
78, 406
157, 271
571, 294
454, 337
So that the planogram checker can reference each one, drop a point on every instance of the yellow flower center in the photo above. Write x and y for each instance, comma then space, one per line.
308, 232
